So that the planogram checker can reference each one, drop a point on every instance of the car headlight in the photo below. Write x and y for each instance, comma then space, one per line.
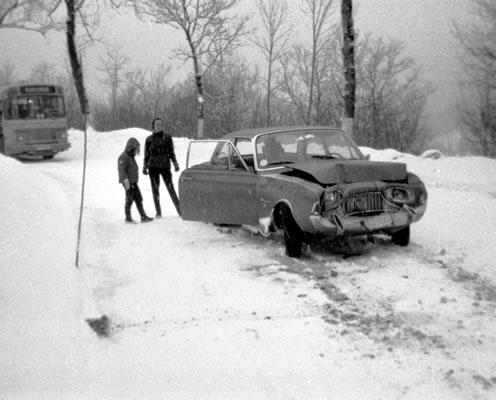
332, 199
20, 138
63, 136
400, 194
423, 198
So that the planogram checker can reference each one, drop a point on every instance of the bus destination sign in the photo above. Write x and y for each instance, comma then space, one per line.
37, 89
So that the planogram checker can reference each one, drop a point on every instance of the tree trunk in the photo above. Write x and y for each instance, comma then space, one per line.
348, 64
201, 108
269, 88
77, 70
312, 82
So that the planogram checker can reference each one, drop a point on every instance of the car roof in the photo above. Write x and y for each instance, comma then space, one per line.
251, 133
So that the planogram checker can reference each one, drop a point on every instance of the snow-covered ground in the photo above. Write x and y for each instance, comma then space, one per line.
202, 313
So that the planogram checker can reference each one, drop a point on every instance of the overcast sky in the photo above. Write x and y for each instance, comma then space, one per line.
424, 26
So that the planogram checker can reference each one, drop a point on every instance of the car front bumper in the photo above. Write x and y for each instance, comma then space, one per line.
339, 225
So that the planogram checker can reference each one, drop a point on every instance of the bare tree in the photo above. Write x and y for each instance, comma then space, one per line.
182, 112
300, 67
73, 8
44, 73
74, 117
348, 64
232, 88
150, 89
478, 115
113, 66
209, 29
30, 15
274, 15
319, 11
7, 73
391, 95
478, 78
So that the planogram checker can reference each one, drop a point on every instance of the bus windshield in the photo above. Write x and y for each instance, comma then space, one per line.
34, 107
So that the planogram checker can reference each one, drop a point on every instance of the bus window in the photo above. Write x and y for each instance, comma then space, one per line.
23, 110
8, 110
35, 107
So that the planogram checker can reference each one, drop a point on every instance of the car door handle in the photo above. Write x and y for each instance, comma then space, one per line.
187, 178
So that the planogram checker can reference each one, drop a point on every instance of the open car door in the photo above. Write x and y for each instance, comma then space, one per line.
217, 186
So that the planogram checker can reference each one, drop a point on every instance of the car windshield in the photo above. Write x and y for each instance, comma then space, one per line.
282, 148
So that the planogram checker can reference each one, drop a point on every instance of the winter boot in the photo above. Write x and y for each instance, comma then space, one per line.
144, 217
129, 219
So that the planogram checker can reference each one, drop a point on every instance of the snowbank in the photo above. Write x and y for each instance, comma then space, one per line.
43, 299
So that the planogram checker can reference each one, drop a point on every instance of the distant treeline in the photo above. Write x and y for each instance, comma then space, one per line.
391, 95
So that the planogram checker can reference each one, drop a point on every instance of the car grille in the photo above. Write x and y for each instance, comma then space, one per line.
367, 204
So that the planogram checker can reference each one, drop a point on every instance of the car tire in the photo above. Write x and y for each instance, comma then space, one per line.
401, 237
293, 236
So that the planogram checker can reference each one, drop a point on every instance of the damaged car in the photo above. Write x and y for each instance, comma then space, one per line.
305, 182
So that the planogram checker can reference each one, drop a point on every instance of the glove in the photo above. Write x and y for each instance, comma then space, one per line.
145, 171
176, 167
126, 184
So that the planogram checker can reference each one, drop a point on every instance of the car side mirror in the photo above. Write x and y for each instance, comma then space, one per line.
367, 157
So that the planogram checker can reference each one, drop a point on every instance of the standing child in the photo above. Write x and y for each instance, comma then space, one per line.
128, 176
159, 153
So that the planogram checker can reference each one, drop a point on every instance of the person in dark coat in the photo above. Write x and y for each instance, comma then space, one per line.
128, 176
159, 153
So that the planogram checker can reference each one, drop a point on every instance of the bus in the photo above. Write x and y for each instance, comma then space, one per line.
32, 120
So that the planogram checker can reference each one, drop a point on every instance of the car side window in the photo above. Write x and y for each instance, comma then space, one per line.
236, 162
226, 157
221, 155
203, 153
245, 149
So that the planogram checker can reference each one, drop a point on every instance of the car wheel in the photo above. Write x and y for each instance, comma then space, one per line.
293, 236
401, 237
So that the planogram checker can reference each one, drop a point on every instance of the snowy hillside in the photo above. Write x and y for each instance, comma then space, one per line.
202, 313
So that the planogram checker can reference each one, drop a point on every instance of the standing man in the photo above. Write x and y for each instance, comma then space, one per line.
159, 152
128, 176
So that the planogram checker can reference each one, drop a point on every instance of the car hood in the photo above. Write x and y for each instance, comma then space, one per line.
332, 172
